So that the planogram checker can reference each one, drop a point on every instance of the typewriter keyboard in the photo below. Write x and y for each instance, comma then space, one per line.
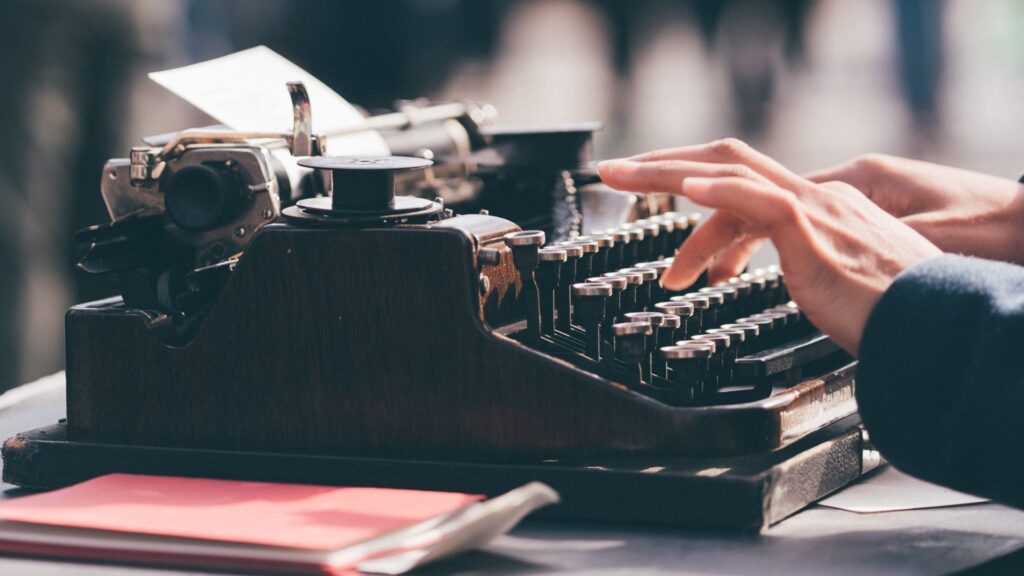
596, 302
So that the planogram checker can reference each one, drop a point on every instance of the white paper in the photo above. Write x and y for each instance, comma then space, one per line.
246, 91
466, 530
889, 490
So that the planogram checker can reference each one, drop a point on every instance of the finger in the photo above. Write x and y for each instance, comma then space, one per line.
733, 260
718, 233
770, 210
665, 176
727, 151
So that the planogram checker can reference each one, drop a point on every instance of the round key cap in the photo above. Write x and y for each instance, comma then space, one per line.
679, 308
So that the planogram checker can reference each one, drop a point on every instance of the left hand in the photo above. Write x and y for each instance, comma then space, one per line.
839, 250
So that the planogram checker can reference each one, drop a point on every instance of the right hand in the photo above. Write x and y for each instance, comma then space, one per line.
958, 210
839, 250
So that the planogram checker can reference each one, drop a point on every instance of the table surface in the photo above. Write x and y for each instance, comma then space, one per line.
817, 541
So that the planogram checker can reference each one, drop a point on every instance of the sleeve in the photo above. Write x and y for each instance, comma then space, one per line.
940, 382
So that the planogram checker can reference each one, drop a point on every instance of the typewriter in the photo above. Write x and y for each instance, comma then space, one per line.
474, 312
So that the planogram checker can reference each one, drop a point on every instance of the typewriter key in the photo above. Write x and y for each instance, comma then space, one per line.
750, 333
525, 245
660, 266
746, 302
655, 319
649, 245
765, 331
605, 243
614, 304
652, 231
687, 364
712, 316
779, 320
629, 295
793, 314
649, 277
780, 330
681, 231
727, 312
684, 310
664, 244
617, 255
632, 253
548, 273
631, 348
701, 304
773, 287
585, 267
590, 300
736, 349
758, 285
668, 333
783, 292
568, 277
719, 361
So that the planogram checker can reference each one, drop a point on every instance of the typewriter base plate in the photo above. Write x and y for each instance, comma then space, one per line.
744, 493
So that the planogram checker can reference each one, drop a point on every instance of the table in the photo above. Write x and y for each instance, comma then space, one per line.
817, 541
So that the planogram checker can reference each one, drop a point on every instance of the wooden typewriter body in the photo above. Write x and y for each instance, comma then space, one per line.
394, 355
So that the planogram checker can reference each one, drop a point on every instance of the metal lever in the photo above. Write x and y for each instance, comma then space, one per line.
302, 120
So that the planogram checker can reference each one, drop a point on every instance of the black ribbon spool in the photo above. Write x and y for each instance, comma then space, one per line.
363, 192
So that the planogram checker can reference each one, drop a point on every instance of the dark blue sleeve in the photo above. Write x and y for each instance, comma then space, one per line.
940, 383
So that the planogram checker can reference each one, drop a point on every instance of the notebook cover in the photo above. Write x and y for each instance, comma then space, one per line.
296, 516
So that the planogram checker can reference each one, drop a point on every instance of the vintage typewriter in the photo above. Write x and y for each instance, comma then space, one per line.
472, 313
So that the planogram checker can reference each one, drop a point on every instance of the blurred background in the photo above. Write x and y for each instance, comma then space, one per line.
811, 82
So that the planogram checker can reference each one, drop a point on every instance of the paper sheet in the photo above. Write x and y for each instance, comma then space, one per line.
889, 490
246, 91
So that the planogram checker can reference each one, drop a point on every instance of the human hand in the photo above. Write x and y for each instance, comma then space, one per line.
958, 210
839, 250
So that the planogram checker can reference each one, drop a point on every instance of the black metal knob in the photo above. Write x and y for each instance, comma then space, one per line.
201, 197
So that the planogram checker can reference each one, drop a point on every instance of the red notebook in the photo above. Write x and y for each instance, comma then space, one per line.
201, 522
